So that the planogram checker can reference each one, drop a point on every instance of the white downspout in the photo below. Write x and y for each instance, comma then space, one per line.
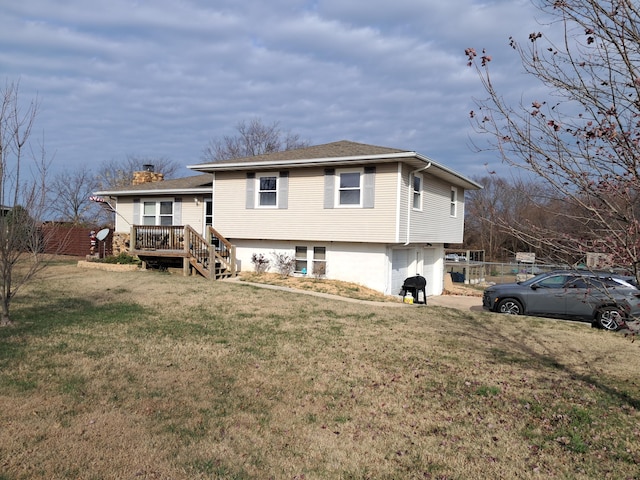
410, 202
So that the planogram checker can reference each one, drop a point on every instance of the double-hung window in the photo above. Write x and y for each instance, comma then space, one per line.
319, 261
349, 191
157, 213
350, 188
267, 190
454, 202
417, 191
301, 260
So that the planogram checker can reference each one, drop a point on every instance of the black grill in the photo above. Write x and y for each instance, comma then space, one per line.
415, 285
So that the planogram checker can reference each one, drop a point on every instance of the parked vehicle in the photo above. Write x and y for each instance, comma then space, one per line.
606, 301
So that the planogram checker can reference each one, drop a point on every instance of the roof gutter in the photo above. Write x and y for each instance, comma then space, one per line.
211, 167
183, 191
410, 203
451, 172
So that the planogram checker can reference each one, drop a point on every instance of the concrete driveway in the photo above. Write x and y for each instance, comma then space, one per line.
461, 302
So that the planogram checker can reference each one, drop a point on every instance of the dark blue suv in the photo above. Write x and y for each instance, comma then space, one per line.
606, 301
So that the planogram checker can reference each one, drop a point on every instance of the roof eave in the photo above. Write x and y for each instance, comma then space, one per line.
183, 191
465, 182
311, 162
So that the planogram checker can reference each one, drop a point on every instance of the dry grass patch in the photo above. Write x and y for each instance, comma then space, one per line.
143, 375
332, 287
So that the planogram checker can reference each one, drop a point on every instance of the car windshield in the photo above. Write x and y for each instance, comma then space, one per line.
568, 280
532, 280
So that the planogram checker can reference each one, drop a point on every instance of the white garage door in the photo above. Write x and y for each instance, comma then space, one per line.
399, 269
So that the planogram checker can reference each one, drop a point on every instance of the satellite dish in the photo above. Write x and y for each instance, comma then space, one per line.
102, 234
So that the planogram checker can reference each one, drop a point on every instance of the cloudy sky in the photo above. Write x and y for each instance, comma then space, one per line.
160, 78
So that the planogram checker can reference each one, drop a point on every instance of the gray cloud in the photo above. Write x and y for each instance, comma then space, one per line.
161, 78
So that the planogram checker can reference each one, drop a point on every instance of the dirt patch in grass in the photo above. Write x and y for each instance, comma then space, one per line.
332, 287
153, 376
347, 289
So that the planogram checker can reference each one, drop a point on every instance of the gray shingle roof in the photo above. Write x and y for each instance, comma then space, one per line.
185, 183
339, 152
343, 148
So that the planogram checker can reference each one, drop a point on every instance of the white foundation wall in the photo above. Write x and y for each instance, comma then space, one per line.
368, 265
365, 264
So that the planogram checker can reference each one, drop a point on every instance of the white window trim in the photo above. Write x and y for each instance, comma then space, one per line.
315, 261
453, 208
418, 193
258, 191
311, 260
301, 271
157, 215
337, 203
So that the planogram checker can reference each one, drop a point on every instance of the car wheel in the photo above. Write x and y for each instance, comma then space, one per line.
510, 307
609, 318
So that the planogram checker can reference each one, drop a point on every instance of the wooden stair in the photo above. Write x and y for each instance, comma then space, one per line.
213, 257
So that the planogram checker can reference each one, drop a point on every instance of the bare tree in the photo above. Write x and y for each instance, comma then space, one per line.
253, 138
485, 211
119, 173
583, 139
491, 212
22, 202
70, 194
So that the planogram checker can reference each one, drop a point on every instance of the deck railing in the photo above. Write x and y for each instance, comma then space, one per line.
213, 254
157, 237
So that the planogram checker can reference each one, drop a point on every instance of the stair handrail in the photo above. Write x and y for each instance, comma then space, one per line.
224, 250
199, 250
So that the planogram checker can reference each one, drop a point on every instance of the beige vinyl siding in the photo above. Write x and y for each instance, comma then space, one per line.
434, 223
306, 218
125, 218
192, 212
403, 202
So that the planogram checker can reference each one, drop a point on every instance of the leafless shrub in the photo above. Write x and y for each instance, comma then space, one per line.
319, 270
260, 262
285, 264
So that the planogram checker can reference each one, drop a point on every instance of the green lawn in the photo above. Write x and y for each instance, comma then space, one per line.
151, 376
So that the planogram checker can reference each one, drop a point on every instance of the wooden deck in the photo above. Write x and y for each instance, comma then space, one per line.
213, 257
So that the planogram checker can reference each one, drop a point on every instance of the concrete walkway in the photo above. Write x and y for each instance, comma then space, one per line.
460, 302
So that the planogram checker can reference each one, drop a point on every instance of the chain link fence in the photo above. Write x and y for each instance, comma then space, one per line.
469, 272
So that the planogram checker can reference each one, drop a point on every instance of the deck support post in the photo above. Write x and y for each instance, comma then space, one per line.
186, 267
186, 263
234, 263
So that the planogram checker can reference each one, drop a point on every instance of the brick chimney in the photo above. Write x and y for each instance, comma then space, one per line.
147, 175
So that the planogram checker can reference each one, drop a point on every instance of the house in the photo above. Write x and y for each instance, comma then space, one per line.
349, 211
